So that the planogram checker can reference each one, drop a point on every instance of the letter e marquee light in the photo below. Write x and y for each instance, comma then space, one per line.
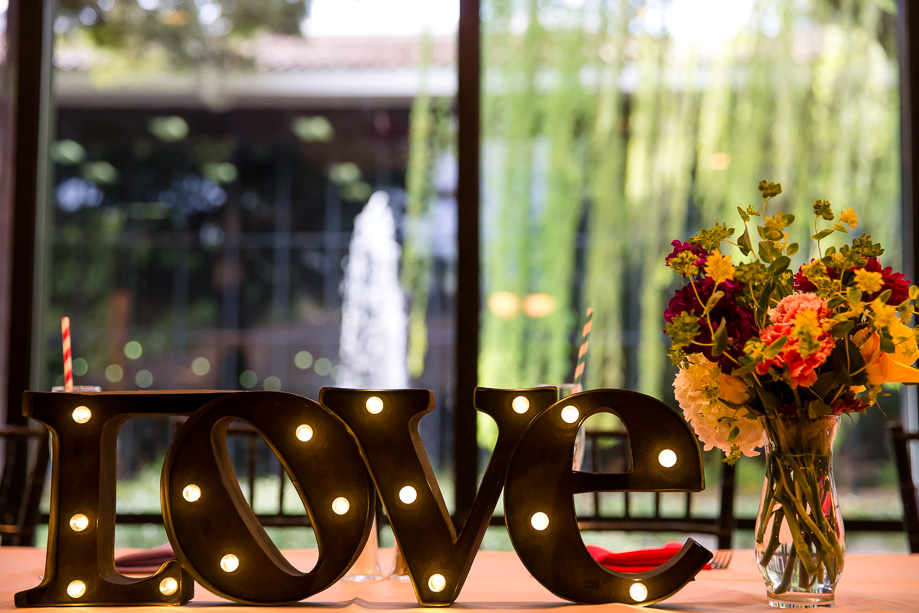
540, 488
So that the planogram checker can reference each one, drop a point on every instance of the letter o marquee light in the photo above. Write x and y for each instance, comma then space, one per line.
218, 538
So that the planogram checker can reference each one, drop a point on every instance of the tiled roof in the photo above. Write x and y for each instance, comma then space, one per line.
277, 53
293, 53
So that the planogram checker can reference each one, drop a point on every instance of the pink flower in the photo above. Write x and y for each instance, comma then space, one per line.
785, 311
801, 366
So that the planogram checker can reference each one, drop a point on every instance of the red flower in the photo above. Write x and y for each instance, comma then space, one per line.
741, 325
679, 247
896, 282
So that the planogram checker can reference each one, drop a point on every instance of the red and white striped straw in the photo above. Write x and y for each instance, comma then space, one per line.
582, 351
68, 358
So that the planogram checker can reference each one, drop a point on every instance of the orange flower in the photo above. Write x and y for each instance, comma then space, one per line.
884, 367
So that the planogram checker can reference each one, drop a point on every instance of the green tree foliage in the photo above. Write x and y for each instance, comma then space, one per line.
176, 33
605, 138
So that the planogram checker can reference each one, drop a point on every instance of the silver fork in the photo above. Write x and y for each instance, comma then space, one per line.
721, 559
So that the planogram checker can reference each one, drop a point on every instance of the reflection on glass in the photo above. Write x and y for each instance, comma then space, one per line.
218, 153
609, 128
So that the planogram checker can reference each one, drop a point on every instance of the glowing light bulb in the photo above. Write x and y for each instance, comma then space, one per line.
81, 415
437, 583
521, 404
374, 404
570, 414
667, 458
229, 563
340, 505
408, 495
76, 589
191, 493
304, 432
638, 592
540, 521
169, 586
79, 522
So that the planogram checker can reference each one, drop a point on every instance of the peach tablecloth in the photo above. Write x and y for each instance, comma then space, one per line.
499, 582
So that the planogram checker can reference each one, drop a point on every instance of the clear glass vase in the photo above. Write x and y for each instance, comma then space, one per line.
367, 567
399, 570
800, 541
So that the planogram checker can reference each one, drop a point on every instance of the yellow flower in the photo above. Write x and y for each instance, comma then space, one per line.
884, 315
815, 272
849, 217
806, 329
868, 282
719, 267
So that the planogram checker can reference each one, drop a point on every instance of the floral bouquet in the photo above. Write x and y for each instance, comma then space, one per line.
766, 353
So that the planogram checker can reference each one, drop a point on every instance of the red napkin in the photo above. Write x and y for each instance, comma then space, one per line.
636, 561
145, 562
148, 562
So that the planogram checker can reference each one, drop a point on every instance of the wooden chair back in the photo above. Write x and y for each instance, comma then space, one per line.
26, 453
908, 492
608, 451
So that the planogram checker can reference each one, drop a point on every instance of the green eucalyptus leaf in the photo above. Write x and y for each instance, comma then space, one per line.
887, 345
848, 365
744, 370
712, 302
842, 329
770, 402
792, 249
762, 301
780, 265
819, 408
826, 381
775, 347
746, 247
720, 339
822, 234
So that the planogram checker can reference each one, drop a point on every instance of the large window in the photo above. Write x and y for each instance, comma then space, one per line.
612, 128
253, 195
224, 173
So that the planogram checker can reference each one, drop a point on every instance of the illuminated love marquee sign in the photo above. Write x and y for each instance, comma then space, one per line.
340, 453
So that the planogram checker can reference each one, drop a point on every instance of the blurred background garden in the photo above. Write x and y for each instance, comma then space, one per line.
210, 157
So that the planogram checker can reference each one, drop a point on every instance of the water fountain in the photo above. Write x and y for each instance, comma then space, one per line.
374, 322
374, 325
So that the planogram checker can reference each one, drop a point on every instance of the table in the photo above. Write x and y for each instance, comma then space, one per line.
499, 582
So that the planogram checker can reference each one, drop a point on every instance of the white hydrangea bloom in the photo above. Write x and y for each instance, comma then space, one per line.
700, 389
